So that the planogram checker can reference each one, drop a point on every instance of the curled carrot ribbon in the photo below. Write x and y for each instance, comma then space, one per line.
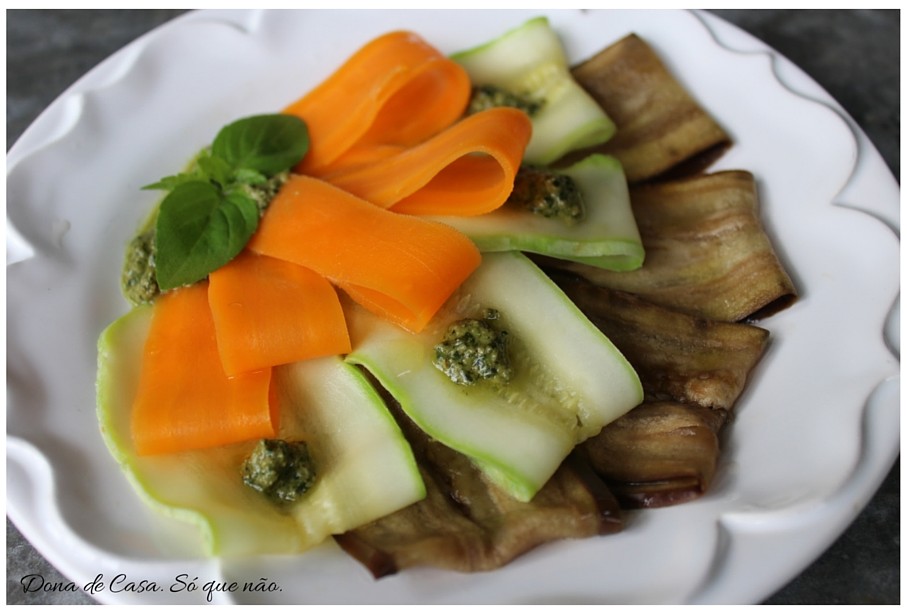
365, 109
468, 169
388, 127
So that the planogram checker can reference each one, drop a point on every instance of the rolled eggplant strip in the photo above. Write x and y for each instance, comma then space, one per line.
658, 454
692, 369
707, 252
659, 124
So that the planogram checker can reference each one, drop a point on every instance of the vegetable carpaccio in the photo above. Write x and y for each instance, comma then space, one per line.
399, 205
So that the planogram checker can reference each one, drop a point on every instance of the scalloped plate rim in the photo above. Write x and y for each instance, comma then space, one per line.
21, 152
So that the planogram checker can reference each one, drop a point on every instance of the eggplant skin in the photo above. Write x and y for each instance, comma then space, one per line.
467, 524
660, 126
659, 454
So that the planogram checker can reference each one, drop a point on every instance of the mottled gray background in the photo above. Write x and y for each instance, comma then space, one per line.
853, 54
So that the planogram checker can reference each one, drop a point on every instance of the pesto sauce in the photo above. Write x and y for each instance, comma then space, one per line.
474, 350
280, 470
138, 280
547, 193
485, 97
263, 193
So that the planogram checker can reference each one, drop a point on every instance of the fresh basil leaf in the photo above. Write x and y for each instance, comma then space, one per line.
212, 210
172, 181
199, 230
266, 143
215, 168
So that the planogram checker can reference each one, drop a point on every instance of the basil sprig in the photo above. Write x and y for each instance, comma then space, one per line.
208, 215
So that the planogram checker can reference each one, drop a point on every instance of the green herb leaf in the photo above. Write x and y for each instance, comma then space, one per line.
266, 143
172, 181
199, 229
215, 168
212, 210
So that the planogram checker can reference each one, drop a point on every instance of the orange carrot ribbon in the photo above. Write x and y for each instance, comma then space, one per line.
185, 400
269, 312
365, 109
468, 169
399, 266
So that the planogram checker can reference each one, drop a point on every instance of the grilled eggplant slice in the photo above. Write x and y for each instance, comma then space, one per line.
693, 370
659, 124
467, 523
707, 252
677, 356
658, 454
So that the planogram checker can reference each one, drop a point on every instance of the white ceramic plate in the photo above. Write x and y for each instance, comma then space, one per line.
815, 433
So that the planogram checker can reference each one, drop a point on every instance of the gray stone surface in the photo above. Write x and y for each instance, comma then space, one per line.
855, 55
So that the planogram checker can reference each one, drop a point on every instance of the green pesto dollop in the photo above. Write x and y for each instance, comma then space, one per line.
263, 193
485, 97
281, 470
474, 350
547, 193
138, 280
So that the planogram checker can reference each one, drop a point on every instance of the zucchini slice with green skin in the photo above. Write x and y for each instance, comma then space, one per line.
530, 61
568, 379
364, 467
607, 236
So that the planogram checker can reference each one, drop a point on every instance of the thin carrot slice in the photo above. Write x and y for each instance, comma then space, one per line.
269, 312
184, 399
401, 267
365, 108
468, 169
